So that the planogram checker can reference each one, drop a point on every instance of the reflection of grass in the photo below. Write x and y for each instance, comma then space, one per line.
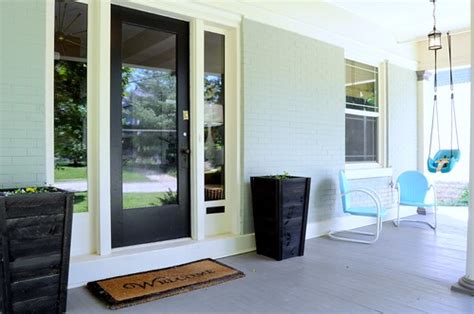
462, 200
130, 200
80, 202
138, 200
70, 173
67, 173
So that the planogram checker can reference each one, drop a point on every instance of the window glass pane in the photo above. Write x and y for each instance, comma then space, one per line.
149, 137
70, 103
361, 138
361, 86
214, 116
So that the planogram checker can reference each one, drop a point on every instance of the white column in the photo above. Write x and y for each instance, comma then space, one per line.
466, 283
98, 121
424, 103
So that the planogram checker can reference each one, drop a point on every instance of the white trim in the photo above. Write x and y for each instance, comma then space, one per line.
183, 10
382, 120
49, 92
348, 222
229, 221
356, 112
82, 238
366, 173
383, 110
98, 122
137, 259
215, 203
198, 209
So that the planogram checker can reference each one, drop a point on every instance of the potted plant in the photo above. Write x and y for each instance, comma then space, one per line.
280, 212
35, 226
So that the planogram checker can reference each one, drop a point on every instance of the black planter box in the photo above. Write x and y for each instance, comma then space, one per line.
35, 246
280, 213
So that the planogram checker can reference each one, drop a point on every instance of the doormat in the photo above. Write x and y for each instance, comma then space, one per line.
123, 291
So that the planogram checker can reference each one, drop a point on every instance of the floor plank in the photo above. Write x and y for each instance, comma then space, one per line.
409, 270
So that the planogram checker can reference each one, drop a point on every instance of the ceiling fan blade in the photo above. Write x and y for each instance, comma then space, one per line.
63, 17
74, 43
72, 22
79, 32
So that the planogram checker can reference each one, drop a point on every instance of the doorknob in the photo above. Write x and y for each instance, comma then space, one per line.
186, 151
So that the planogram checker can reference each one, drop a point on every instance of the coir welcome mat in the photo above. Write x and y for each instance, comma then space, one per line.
138, 288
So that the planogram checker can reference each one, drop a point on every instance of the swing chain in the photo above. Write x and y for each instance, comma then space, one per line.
451, 83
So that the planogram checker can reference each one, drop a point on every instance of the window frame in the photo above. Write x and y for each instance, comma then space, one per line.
381, 115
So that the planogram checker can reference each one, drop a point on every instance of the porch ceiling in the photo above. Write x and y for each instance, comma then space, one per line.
405, 20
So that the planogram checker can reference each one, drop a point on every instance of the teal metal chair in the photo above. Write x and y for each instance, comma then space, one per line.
413, 188
376, 211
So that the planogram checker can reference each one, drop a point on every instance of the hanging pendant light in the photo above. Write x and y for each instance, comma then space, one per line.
434, 37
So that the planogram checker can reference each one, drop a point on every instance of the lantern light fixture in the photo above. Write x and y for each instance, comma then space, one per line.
434, 37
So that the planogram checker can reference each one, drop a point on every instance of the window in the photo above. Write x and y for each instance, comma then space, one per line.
214, 116
70, 102
362, 112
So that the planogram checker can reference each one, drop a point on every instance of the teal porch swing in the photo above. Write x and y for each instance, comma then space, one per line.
445, 159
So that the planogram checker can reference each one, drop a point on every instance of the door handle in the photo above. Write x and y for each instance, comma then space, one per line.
186, 151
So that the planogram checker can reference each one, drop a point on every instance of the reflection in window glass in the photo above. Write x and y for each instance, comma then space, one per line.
362, 112
70, 102
149, 136
214, 116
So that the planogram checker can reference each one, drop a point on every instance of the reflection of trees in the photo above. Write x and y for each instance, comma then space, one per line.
70, 111
149, 112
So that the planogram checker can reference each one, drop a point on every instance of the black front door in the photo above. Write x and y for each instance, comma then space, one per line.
149, 128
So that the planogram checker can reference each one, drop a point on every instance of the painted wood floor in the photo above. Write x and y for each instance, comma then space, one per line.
409, 270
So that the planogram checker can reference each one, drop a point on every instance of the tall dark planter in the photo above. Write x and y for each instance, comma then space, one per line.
36, 238
280, 212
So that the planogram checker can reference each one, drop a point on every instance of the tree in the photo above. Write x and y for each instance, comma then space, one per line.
70, 111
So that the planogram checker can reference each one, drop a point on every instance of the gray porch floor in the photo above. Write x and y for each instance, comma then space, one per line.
409, 270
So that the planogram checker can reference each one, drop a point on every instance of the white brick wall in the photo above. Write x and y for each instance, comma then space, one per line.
22, 124
293, 113
293, 117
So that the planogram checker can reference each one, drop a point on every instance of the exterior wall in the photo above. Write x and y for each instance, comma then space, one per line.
293, 118
293, 113
402, 119
22, 93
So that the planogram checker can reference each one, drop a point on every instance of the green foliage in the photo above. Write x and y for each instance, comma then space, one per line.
285, 175
30, 190
70, 111
150, 104
213, 89
464, 197
169, 197
140, 200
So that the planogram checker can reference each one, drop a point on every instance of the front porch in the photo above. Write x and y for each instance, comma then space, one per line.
408, 270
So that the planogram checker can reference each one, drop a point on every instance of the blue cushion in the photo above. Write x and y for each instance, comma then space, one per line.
367, 211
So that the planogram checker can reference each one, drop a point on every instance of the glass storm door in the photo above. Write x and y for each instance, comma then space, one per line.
149, 128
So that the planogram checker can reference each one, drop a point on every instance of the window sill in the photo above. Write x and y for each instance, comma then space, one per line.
366, 171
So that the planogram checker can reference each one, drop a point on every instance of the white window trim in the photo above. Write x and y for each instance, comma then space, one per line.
382, 132
229, 221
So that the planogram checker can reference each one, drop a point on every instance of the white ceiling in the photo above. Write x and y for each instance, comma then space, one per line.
411, 19
405, 20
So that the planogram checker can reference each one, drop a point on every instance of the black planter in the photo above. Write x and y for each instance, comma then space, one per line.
35, 240
280, 213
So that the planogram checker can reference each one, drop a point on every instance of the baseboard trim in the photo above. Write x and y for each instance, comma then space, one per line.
144, 258
321, 228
